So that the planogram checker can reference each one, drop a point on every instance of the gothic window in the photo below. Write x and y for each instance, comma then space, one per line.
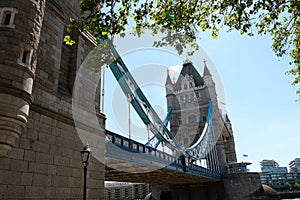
191, 84
7, 16
185, 86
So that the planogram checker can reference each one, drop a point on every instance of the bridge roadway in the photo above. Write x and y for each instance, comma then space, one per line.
130, 161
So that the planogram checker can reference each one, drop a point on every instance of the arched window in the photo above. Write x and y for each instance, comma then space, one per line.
191, 84
185, 86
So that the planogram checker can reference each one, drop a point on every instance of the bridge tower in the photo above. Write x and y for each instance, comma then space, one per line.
189, 96
39, 144
20, 35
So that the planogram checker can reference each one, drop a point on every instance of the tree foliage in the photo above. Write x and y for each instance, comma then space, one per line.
279, 18
288, 185
297, 186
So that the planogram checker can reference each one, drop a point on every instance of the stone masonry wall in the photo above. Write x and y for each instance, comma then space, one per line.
243, 186
46, 161
20, 25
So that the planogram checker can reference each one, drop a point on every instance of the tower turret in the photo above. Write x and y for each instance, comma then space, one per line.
169, 91
20, 27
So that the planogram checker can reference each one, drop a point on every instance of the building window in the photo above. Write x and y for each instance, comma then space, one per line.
191, 85
136, 191
7, 16
117, 193
185, 86
126, 193
25, 58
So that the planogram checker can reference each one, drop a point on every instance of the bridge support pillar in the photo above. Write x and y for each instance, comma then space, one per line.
207, 191
237, 186
161, 192
246, 186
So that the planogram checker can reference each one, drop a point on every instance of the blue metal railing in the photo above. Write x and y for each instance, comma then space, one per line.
175, 162
134, 146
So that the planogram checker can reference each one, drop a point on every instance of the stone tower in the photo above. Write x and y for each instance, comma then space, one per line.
39, 144
189, 96
20, 35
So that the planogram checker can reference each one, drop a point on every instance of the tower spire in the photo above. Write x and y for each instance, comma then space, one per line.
206, 71
168, 81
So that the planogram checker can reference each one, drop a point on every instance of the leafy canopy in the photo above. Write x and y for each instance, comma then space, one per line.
279, 18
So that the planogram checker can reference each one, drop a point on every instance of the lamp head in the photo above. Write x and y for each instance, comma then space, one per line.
85, 154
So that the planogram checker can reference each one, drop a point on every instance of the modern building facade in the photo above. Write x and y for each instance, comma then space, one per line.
295, 165
271, 166
280, 181
123, 191
278, 177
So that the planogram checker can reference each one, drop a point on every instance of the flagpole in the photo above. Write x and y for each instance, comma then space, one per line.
244, 156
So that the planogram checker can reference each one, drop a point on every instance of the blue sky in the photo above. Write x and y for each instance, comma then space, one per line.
259, 97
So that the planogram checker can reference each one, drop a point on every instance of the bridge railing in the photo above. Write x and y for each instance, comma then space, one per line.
136, 147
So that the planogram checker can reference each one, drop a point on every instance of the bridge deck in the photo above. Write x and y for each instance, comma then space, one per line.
129, 161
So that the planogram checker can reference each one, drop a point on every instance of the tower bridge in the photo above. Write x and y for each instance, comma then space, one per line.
39, 136
132, 161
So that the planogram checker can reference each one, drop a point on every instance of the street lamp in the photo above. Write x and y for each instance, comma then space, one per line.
85, 156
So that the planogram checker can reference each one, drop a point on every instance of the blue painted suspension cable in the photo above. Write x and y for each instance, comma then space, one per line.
140, 103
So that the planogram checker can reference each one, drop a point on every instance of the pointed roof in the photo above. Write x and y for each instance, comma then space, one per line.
168, 81
206, 71
189, 69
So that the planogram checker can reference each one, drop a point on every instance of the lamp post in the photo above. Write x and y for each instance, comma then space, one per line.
85, 156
